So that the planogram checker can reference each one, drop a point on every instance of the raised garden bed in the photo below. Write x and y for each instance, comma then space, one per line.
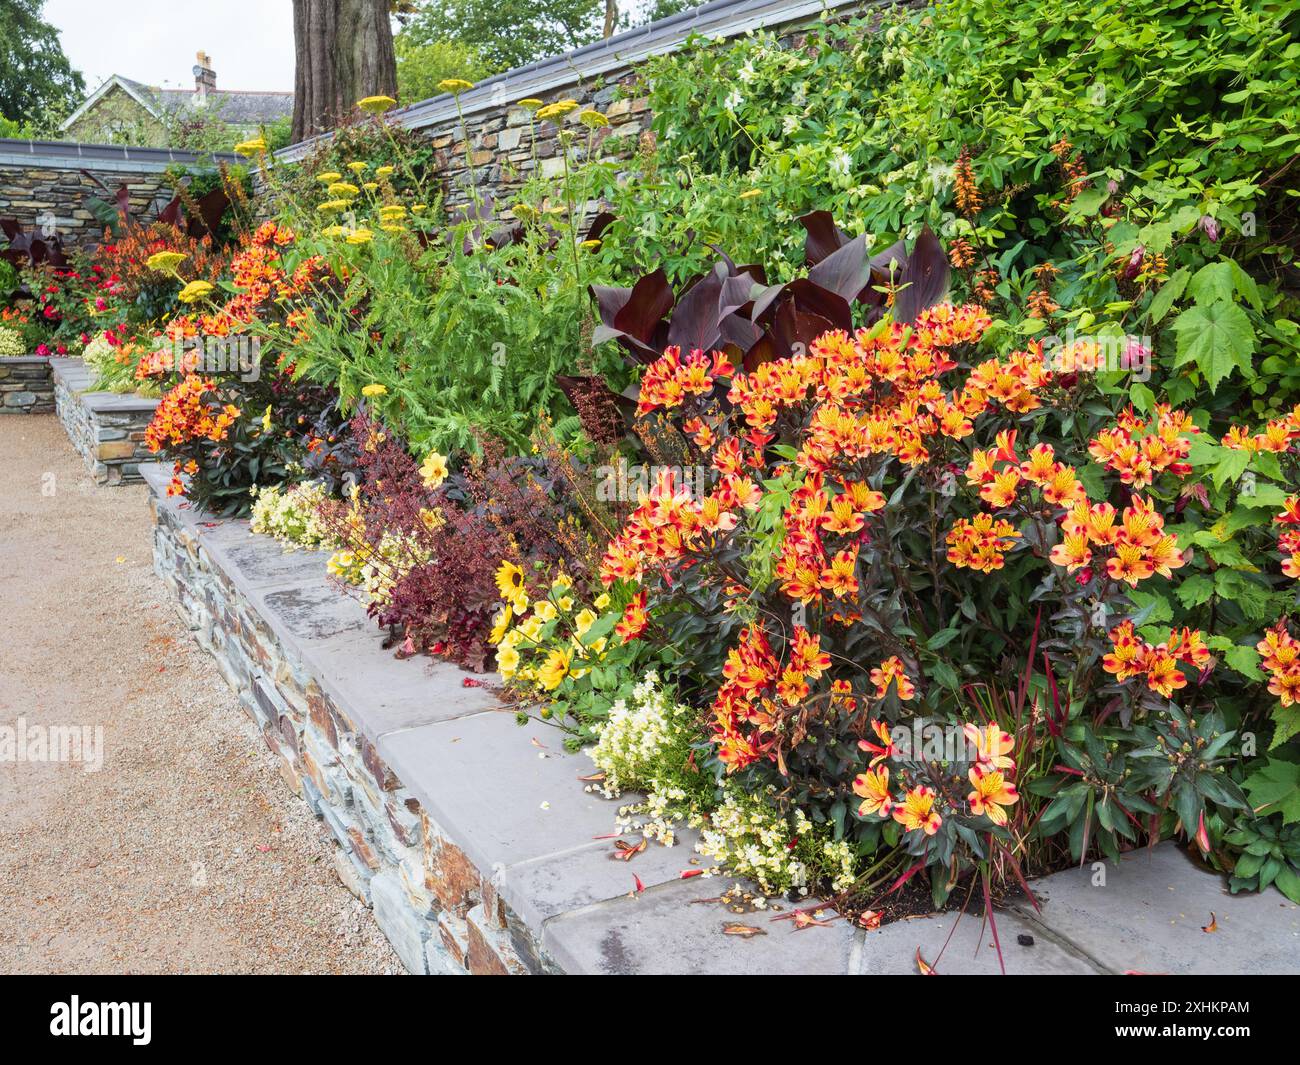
26, 385
106, 428
477, 847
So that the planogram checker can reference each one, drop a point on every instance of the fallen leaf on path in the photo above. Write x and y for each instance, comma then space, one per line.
1213, 926
625, 852
745, 931
926, 969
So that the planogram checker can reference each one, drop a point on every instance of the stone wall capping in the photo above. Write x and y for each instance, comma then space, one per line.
475, 843
106, 428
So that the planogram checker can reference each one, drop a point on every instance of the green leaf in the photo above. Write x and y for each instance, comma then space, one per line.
1286, 721
1169, 292
1276, 788
1211, 283
1195, 590
1216, 338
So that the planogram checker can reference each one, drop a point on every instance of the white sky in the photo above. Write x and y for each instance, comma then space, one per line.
250, 42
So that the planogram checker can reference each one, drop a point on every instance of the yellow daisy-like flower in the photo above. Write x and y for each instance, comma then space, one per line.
433, 471
501, 625
375, 390
344, 190
194, 291
554, 670
376, 105
455, 86
256, 146
510, 579
329, 177
165, 261
593, 119
383, 171
507, 661
432, 518
530, 104
360, 236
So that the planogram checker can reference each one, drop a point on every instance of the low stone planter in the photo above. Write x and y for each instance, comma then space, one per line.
479, 851
26, 385
106, 428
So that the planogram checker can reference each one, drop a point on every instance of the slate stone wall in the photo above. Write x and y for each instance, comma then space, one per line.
26, 385
106, 429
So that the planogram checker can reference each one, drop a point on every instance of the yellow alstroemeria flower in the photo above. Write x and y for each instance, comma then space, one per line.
195, 291
433, 471
375, 390
455, 86
376, 105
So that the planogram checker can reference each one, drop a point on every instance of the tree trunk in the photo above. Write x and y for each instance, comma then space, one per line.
344, 52
611, 18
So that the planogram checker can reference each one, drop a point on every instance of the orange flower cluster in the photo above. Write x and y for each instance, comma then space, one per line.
1140, 450
1277, 437
183, 415
981, 543
1280, 655
891, 671
1289, 541
746, 711
668, 381
1131, 656
1138, 543
965, 188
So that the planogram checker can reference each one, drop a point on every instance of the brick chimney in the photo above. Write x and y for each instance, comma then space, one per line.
205, 78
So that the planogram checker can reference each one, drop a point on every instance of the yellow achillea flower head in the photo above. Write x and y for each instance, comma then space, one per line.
343, 190
194, 291
376, 105
360, 236
557, 110
593, 119
375, 390
455, 86
530, 104
165, 261
256, 146
329, 177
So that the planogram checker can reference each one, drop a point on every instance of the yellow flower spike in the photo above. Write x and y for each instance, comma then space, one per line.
375, 390
329, 177
593, 119
195, 291
376, 105
360, 236
455, 86
165, 261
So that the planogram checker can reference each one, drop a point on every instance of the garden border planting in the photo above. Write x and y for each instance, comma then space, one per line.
479, 851
106, 428
26, 385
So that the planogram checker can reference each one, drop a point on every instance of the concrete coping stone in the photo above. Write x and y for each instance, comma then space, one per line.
24, 360
77, 377
511, 800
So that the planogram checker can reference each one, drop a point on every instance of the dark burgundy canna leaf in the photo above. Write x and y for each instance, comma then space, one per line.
824, 236
649, 300
694, 322
846, 271
599, 224
925, 275
811, 298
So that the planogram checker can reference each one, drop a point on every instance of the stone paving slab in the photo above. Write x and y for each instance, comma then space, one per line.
1148, 918
313, 610
964, 947
665, 931
259, 562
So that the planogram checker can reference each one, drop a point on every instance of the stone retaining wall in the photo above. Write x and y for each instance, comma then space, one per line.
479, 851
26, 385
106, 428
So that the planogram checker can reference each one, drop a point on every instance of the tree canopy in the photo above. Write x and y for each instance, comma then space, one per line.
37, 83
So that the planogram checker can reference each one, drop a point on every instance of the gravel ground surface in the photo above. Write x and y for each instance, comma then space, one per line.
185, 852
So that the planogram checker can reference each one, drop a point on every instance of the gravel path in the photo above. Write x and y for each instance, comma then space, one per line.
185, 852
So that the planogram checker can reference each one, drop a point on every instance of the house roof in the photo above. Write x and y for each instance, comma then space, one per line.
239, 108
